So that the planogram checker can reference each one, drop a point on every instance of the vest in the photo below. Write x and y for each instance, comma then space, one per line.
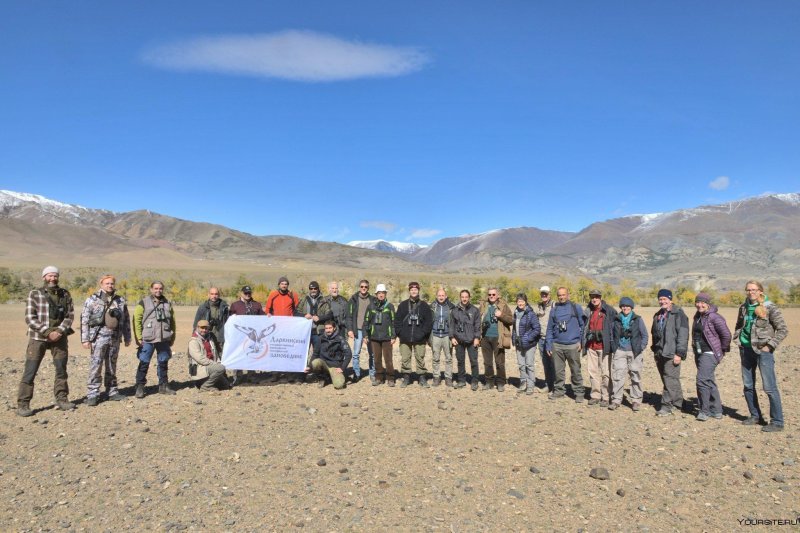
153, 329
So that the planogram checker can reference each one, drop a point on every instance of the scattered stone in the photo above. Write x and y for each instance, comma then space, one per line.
705, 450
599, 473
322, 462
748, 475
534, 470
230, 522
343, 470
786, 462
344, 404
227, 493
383, 484
516, 494
300, 523
779, 478
311, 410
749, 446
642, 508
621, 493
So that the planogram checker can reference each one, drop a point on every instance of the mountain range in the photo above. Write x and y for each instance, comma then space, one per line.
717, 245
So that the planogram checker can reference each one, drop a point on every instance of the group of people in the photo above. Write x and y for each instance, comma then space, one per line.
561, 330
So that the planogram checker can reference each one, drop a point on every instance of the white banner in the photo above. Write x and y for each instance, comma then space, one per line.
274, 343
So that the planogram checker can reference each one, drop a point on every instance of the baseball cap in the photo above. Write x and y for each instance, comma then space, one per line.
247, 288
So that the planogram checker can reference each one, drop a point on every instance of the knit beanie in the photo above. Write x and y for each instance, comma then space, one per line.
703, 297
625, 301
665, 292
49, 270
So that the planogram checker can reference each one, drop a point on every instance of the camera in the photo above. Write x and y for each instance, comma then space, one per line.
413, 319
115, 313
161, 316
594, 336
562, 326
213, 323
493, 320
460, 328
440, 326
378, 319
626, 334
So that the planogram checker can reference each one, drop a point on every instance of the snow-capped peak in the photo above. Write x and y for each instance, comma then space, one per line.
387, 246
14, 199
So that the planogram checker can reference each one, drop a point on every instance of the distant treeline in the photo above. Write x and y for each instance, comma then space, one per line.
187, 291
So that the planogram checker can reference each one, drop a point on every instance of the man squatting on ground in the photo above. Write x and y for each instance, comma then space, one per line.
330, 360
204, 359
154, 331
104, 323
49, 314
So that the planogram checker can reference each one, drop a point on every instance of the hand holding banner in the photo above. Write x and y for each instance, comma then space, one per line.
270, 343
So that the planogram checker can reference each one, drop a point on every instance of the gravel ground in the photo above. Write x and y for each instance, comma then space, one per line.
278, 456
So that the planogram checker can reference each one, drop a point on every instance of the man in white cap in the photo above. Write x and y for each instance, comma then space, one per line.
49, 314
543, 309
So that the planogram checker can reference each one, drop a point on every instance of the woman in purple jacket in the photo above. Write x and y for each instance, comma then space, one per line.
711, 340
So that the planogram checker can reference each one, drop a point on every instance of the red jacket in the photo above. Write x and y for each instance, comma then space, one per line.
281, 304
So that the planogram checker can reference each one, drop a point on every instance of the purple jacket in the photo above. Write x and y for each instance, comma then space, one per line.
715, 331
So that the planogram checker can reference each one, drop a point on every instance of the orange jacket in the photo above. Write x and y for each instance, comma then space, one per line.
281, 304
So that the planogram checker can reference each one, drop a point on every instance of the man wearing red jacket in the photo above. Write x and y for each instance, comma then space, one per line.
282, 302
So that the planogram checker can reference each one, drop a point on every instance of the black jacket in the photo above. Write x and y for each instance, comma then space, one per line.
379, 321
465, 323
418, 331
217, 327
674, 339
334, 350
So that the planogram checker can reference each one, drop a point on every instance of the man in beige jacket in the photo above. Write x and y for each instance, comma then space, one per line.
204, 359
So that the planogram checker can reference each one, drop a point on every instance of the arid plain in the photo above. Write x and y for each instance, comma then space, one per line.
278, 456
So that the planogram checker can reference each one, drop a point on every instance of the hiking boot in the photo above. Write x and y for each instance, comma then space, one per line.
487, 386
771, 428
556, 395
376, 382
579, 398
635, 406
24, 409
436, 381
593, 401
474, 385
501, 387
65, 405
406, 381
603, 403
390, 382
752, 421
701, 417
163, 388
373, 379
116, 397
91, 402
613, 406
522, 388
448, 382
664, 412
716, 416
322, 383
459, 384
530, 391
423, 382
139, 391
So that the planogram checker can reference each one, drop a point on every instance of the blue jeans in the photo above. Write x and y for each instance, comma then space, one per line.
358, 340
145, 353
765, 361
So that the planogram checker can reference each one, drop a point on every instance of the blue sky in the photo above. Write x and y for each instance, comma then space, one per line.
399, 120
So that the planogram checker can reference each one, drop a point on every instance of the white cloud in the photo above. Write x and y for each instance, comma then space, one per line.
424, 233
720, 184
388, 227
291, 54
